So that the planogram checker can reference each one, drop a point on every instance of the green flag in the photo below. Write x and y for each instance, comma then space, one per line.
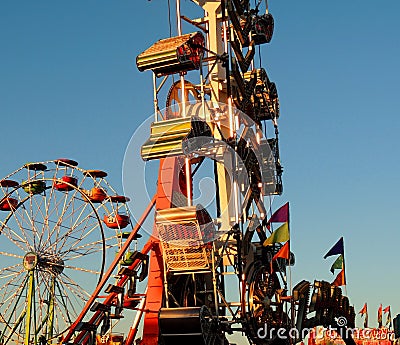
338, 264
279, 235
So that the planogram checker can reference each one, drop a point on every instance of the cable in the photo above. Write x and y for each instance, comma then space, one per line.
169, 18
170, 29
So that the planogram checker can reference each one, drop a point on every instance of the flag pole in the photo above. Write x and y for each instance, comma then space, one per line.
290, 271
344, 270
292, 311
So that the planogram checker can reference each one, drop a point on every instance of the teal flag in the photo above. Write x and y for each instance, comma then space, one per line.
338, 264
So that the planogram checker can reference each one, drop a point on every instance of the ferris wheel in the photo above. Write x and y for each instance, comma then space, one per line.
56, 223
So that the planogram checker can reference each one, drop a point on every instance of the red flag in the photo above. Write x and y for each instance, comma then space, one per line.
389, 317
340, 279
281, 215
380, 316
363, 310
284, 252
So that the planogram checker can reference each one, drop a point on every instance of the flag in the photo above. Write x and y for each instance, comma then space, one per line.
366, 321
388, 321
340, 279
338, 248
364, 311
279, 235
389, 317
284, 252
338, 264
380, 316
281, 215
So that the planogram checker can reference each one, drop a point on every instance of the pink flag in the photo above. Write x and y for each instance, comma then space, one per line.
281, 215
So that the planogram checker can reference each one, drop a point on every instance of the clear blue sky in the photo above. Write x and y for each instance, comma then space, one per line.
69, 88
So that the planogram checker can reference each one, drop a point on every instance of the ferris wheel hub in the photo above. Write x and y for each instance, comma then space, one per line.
53, 264
30, 261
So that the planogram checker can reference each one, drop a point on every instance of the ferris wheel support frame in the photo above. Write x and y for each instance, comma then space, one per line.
50, 318
31, 287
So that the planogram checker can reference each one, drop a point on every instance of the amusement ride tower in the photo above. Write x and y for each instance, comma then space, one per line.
210, 269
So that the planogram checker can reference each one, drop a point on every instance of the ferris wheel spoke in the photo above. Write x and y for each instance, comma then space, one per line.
79, 235
80, 253
32, 220
12, 274
11, 255
29, 221
64, 310
13, 269
66, 205
72, 239
93, 246
61, 317
54, 231
21, 211
12, 282
73, 212
81, 269
14, 328
55, 235
64, 237
63, 303
41, 217
16, 213
68, 200
9, 304
70, 289
79, 221
77, 224
38, 207
55, 208
69, 283
45, 300
72, 197
17, 240
46, 218
52, 213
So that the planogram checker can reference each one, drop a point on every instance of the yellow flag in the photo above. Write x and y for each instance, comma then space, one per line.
279, 235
